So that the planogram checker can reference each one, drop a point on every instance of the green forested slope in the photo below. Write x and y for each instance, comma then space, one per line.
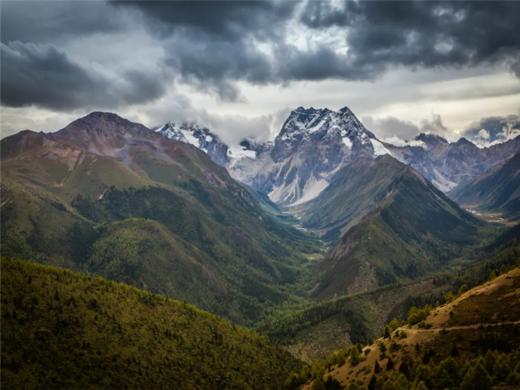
62, 329
497, 191
112, 197
317, 329
413, 230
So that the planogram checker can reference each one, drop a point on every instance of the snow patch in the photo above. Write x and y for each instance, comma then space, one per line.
238, 152
190, 138
347, 142
442, 183
379, 148
396, 141
313, 187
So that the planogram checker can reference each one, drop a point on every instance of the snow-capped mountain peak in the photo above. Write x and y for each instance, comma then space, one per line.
200, 137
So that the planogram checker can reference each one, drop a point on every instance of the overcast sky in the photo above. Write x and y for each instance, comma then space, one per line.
240, 67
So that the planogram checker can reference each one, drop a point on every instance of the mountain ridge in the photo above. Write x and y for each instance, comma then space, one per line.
104, 185
313, 143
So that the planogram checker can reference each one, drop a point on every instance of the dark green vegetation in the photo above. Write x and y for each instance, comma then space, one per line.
109, 196
315, 330
470, 342
394, 225
62, 329
497, 191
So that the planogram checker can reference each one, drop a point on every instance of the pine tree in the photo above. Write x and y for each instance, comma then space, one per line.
420, 386
372, 383
501, 370
318, 383
447, 374
477, 378
404, 368
332, 384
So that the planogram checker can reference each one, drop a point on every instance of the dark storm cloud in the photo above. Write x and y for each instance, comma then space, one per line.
212, 45
390, 126
494, 129
46, 22
226, 18
423, 33
212, 62
217, 41
43, 75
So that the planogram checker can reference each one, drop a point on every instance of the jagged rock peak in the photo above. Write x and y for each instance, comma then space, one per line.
429, 138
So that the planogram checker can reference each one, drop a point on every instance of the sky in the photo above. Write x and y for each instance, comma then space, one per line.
451, 68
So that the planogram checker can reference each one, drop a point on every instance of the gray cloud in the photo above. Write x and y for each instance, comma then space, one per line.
390, 126
44, 22
422, 33
434, 125
213, 45
490, 130
230, 19
43, 75
397, 131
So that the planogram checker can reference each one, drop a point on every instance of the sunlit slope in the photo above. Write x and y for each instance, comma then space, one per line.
62, 329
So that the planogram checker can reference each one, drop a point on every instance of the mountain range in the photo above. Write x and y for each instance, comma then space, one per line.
386, 209
316, 238
313, 144
104, 193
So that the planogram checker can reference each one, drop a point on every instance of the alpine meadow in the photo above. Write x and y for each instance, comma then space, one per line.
260, 194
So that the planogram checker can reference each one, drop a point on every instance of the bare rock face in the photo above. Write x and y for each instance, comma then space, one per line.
200, 137
314, 144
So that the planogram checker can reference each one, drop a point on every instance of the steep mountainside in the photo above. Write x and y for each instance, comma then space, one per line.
387, 223
356, 190
112, 197
313, 144
317, 330
449, 165
310, 147
62, 329
496, 191
200, 137
471, 342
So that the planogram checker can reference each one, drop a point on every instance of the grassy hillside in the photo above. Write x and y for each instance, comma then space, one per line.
109, 196
354, 192
315, 330
413, 230
471, 342
497, 191
62, 329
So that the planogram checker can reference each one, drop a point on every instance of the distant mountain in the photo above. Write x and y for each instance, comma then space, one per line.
112, 197
393, 226
355, 190
496, 191
313, 144
63, 329
200, 137
448, 165
494, 130
318, 330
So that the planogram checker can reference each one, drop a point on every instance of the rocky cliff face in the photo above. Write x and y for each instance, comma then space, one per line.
314, 144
